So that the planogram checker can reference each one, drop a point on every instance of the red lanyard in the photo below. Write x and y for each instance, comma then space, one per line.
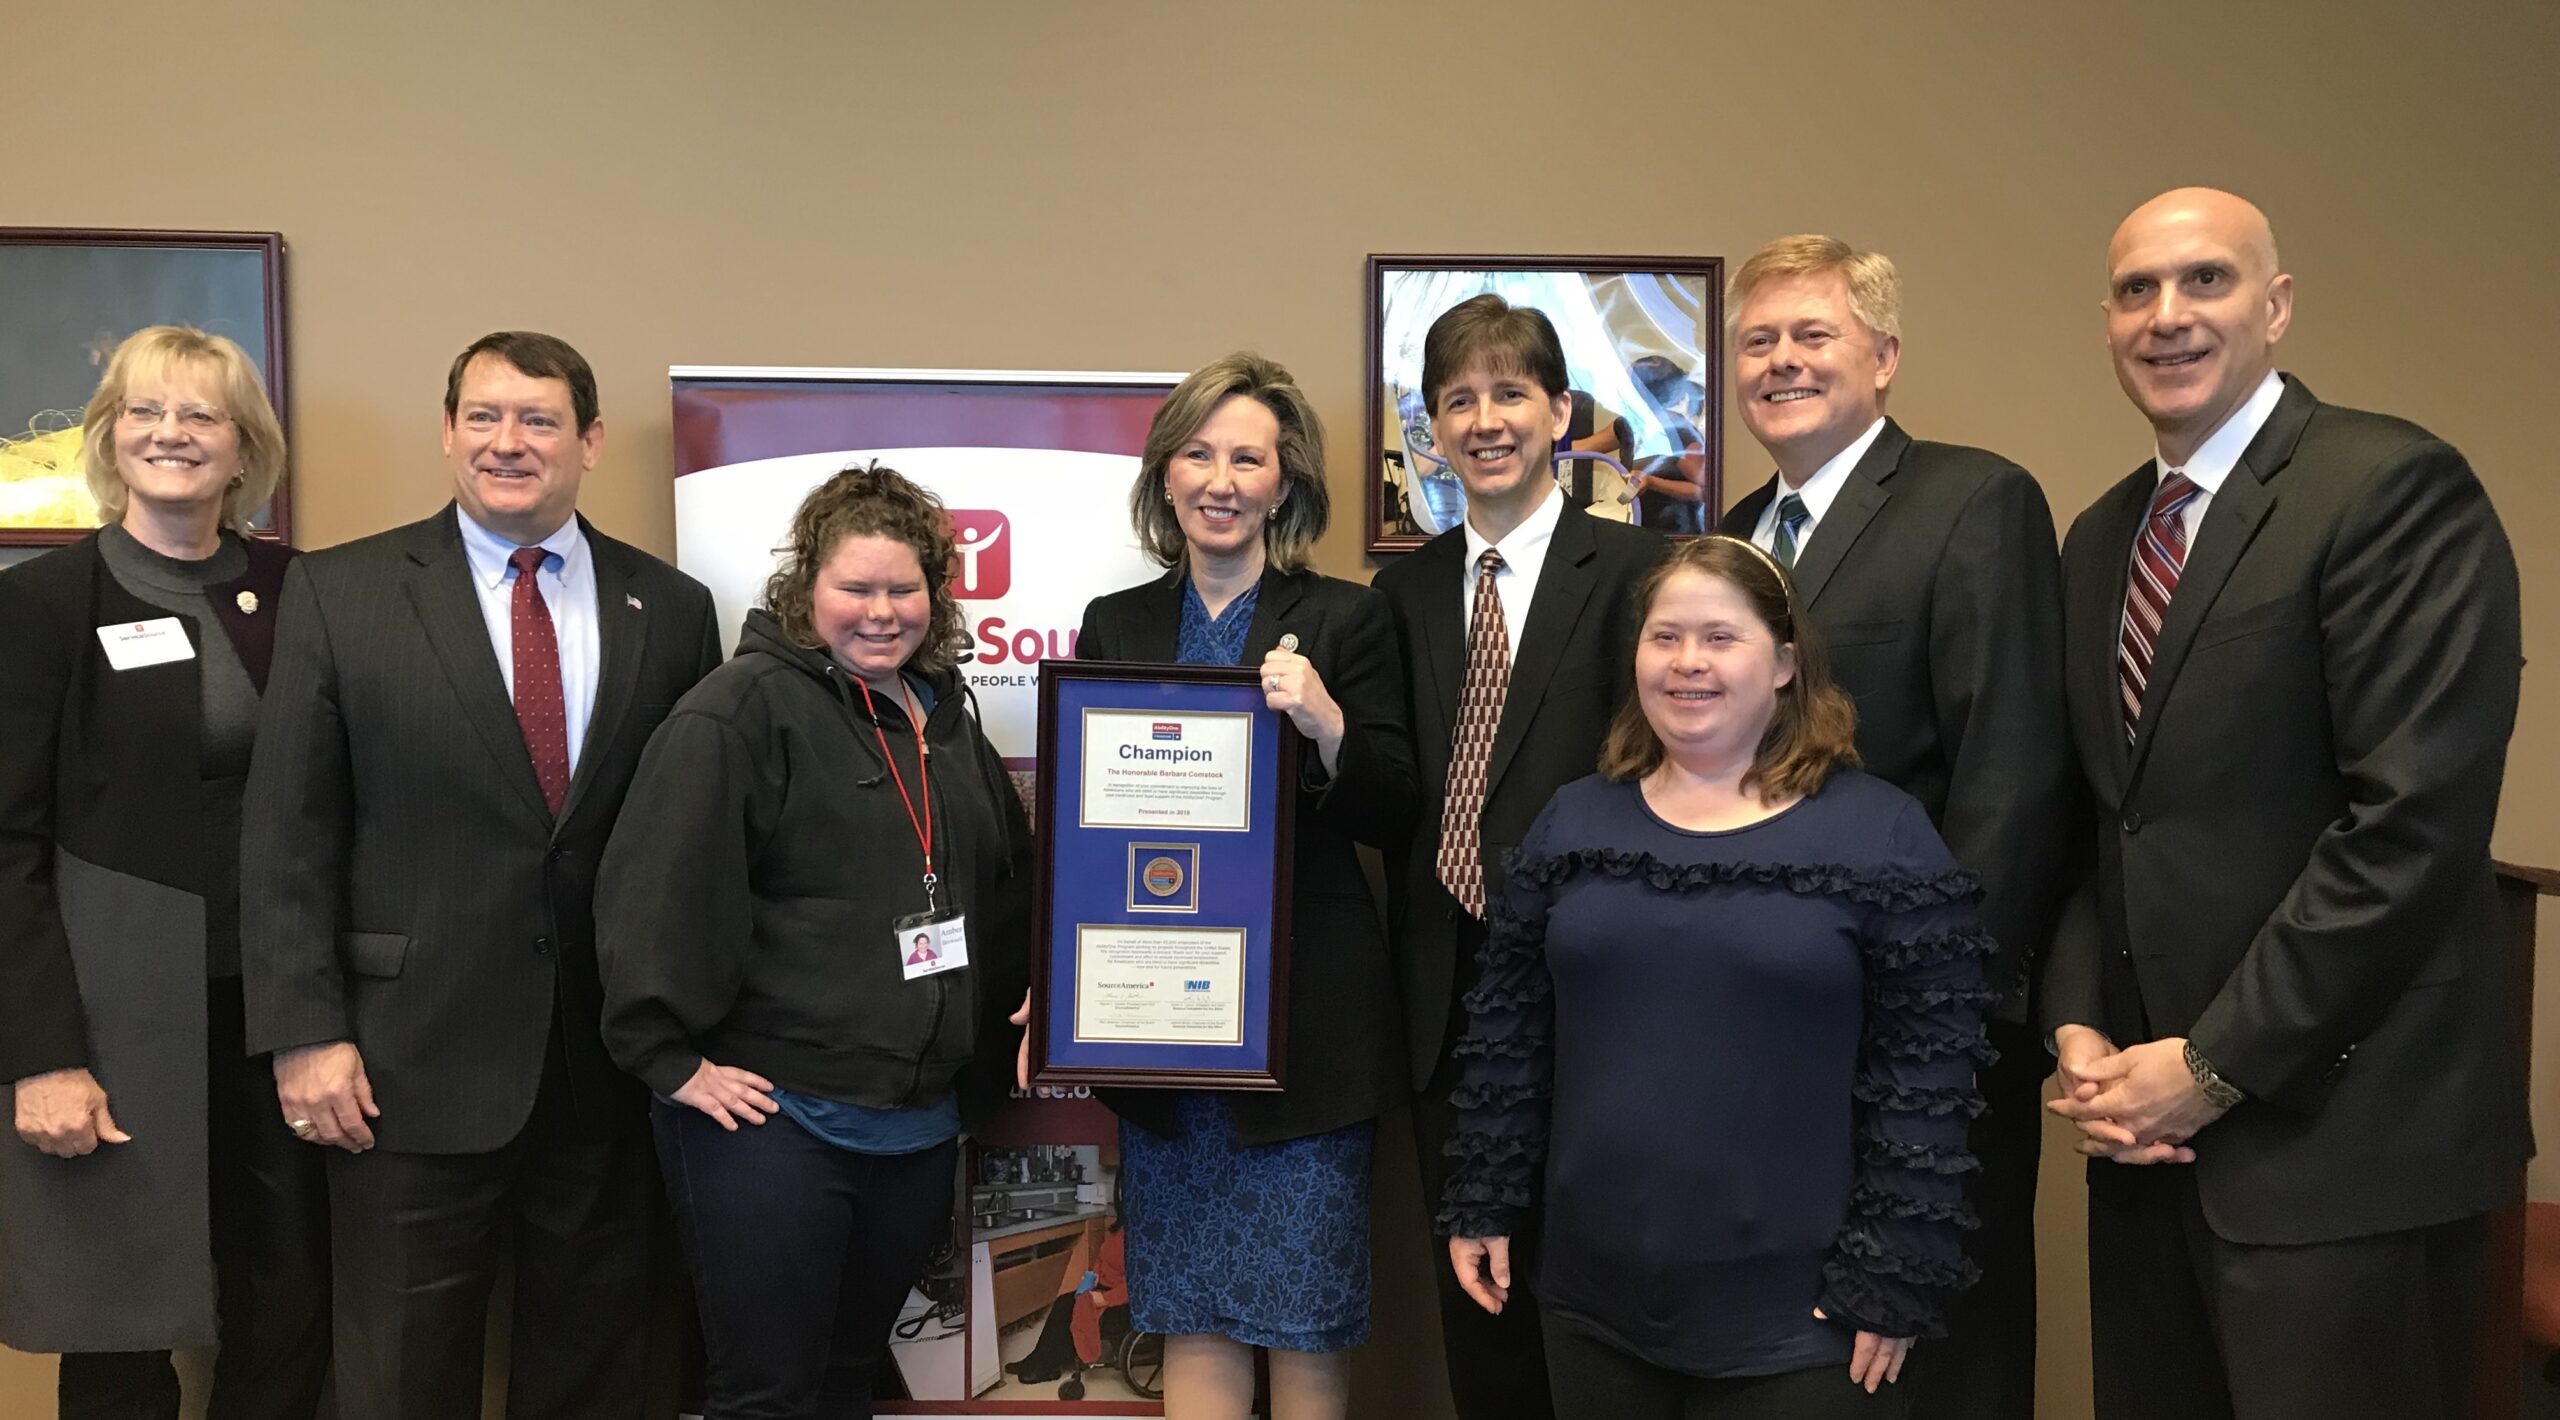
923, 825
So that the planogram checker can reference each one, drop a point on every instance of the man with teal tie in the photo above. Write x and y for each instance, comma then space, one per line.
1930, 571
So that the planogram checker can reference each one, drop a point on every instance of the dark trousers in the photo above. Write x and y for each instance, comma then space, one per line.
1595, 1380
418, 1238
2187, 1326
270, 1220
802, 1254
1984, 1368
1497, 1364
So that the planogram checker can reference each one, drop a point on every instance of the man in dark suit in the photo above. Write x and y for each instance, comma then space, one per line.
455, 712
1516, 665
2280, 1008
1931, 573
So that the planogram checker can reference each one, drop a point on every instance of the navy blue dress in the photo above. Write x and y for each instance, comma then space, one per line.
1266, 1244
1745, 1060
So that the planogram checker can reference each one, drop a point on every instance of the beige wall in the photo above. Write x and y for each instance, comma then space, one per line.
1129, 185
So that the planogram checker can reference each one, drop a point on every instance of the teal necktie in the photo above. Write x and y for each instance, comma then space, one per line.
1792, 516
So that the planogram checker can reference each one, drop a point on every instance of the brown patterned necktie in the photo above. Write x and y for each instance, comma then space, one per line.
2159, 555
1480, 698
541, 706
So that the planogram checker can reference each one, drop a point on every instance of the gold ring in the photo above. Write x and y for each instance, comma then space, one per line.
301, 1128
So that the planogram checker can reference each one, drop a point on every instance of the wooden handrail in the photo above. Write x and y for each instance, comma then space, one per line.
2497, 1391
2545, 882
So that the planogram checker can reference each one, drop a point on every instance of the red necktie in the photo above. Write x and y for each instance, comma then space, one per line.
1480, 696
541, 709
2159, 555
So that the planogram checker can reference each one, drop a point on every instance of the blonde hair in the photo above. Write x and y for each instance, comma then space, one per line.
1293, 527
156, 351
1875, 288
1813, 733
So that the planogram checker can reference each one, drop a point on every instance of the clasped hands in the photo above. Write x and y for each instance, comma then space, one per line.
2138, 1105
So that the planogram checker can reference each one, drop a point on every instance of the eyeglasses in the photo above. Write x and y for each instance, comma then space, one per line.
194, 418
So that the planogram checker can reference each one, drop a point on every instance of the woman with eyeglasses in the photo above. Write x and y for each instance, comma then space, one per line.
153, 1197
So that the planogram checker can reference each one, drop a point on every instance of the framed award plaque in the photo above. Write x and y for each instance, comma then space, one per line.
1167, 802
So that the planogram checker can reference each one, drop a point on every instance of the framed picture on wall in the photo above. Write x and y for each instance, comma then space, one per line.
68, 298
1644, 357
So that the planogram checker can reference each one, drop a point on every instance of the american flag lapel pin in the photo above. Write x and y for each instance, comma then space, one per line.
635, 602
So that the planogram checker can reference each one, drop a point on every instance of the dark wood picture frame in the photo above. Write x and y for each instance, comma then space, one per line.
1283, 835
1391, 529
269, 351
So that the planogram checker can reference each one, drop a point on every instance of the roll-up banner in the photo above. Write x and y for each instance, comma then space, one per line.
1026, 1313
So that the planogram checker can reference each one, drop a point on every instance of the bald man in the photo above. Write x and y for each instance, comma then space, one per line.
2279, 1008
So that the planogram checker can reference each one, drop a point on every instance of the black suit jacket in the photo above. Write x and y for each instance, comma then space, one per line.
1574, 667
404, 885
1933, 581
2293, 855
1345, 1037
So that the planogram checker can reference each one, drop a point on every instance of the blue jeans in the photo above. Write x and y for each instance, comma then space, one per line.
802, 1254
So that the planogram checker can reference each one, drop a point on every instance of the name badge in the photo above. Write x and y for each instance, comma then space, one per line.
929, 945
133, 645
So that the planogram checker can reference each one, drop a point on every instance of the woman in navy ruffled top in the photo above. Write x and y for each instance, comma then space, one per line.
1724, 1038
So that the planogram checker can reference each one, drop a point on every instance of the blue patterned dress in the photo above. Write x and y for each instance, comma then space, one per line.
1266, 1244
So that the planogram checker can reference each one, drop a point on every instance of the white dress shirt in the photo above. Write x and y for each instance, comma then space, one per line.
1524, 555
1817, 493
2220, 452
567, 582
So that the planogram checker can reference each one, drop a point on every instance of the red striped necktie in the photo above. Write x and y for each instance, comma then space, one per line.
2159, 555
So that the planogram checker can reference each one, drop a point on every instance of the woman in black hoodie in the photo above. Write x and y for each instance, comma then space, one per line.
804, 815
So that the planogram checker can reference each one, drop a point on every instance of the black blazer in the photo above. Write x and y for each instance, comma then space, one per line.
1575, 665
1344, 1037
404, 884
100, 764
102, 949
2293, 856
1933, 581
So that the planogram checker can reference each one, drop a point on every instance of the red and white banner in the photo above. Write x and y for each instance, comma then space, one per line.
1027, 1315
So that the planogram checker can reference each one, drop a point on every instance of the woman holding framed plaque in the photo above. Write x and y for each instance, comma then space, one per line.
1247, 1214
811, 918
1733, 999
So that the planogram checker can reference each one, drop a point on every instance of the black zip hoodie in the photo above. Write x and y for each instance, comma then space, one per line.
744, 906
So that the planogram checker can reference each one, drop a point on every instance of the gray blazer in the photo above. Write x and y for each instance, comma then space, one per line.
403, 884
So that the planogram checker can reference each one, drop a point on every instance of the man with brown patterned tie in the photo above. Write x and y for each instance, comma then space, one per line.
1519, 630
2291, 659
455, 711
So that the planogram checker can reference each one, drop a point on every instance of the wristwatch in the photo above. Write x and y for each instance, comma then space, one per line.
2218, 1092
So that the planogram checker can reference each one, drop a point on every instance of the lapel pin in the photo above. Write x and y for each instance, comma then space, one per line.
635, 601
1288, 640
247, 602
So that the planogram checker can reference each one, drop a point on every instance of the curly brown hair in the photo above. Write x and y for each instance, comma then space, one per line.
1813, 733
867, 500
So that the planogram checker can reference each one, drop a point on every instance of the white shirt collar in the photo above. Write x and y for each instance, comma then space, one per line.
1524, 546
1819, 490
2220, 452
488, 552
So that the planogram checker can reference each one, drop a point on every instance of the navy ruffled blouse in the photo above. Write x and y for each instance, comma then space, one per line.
1738, 1064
